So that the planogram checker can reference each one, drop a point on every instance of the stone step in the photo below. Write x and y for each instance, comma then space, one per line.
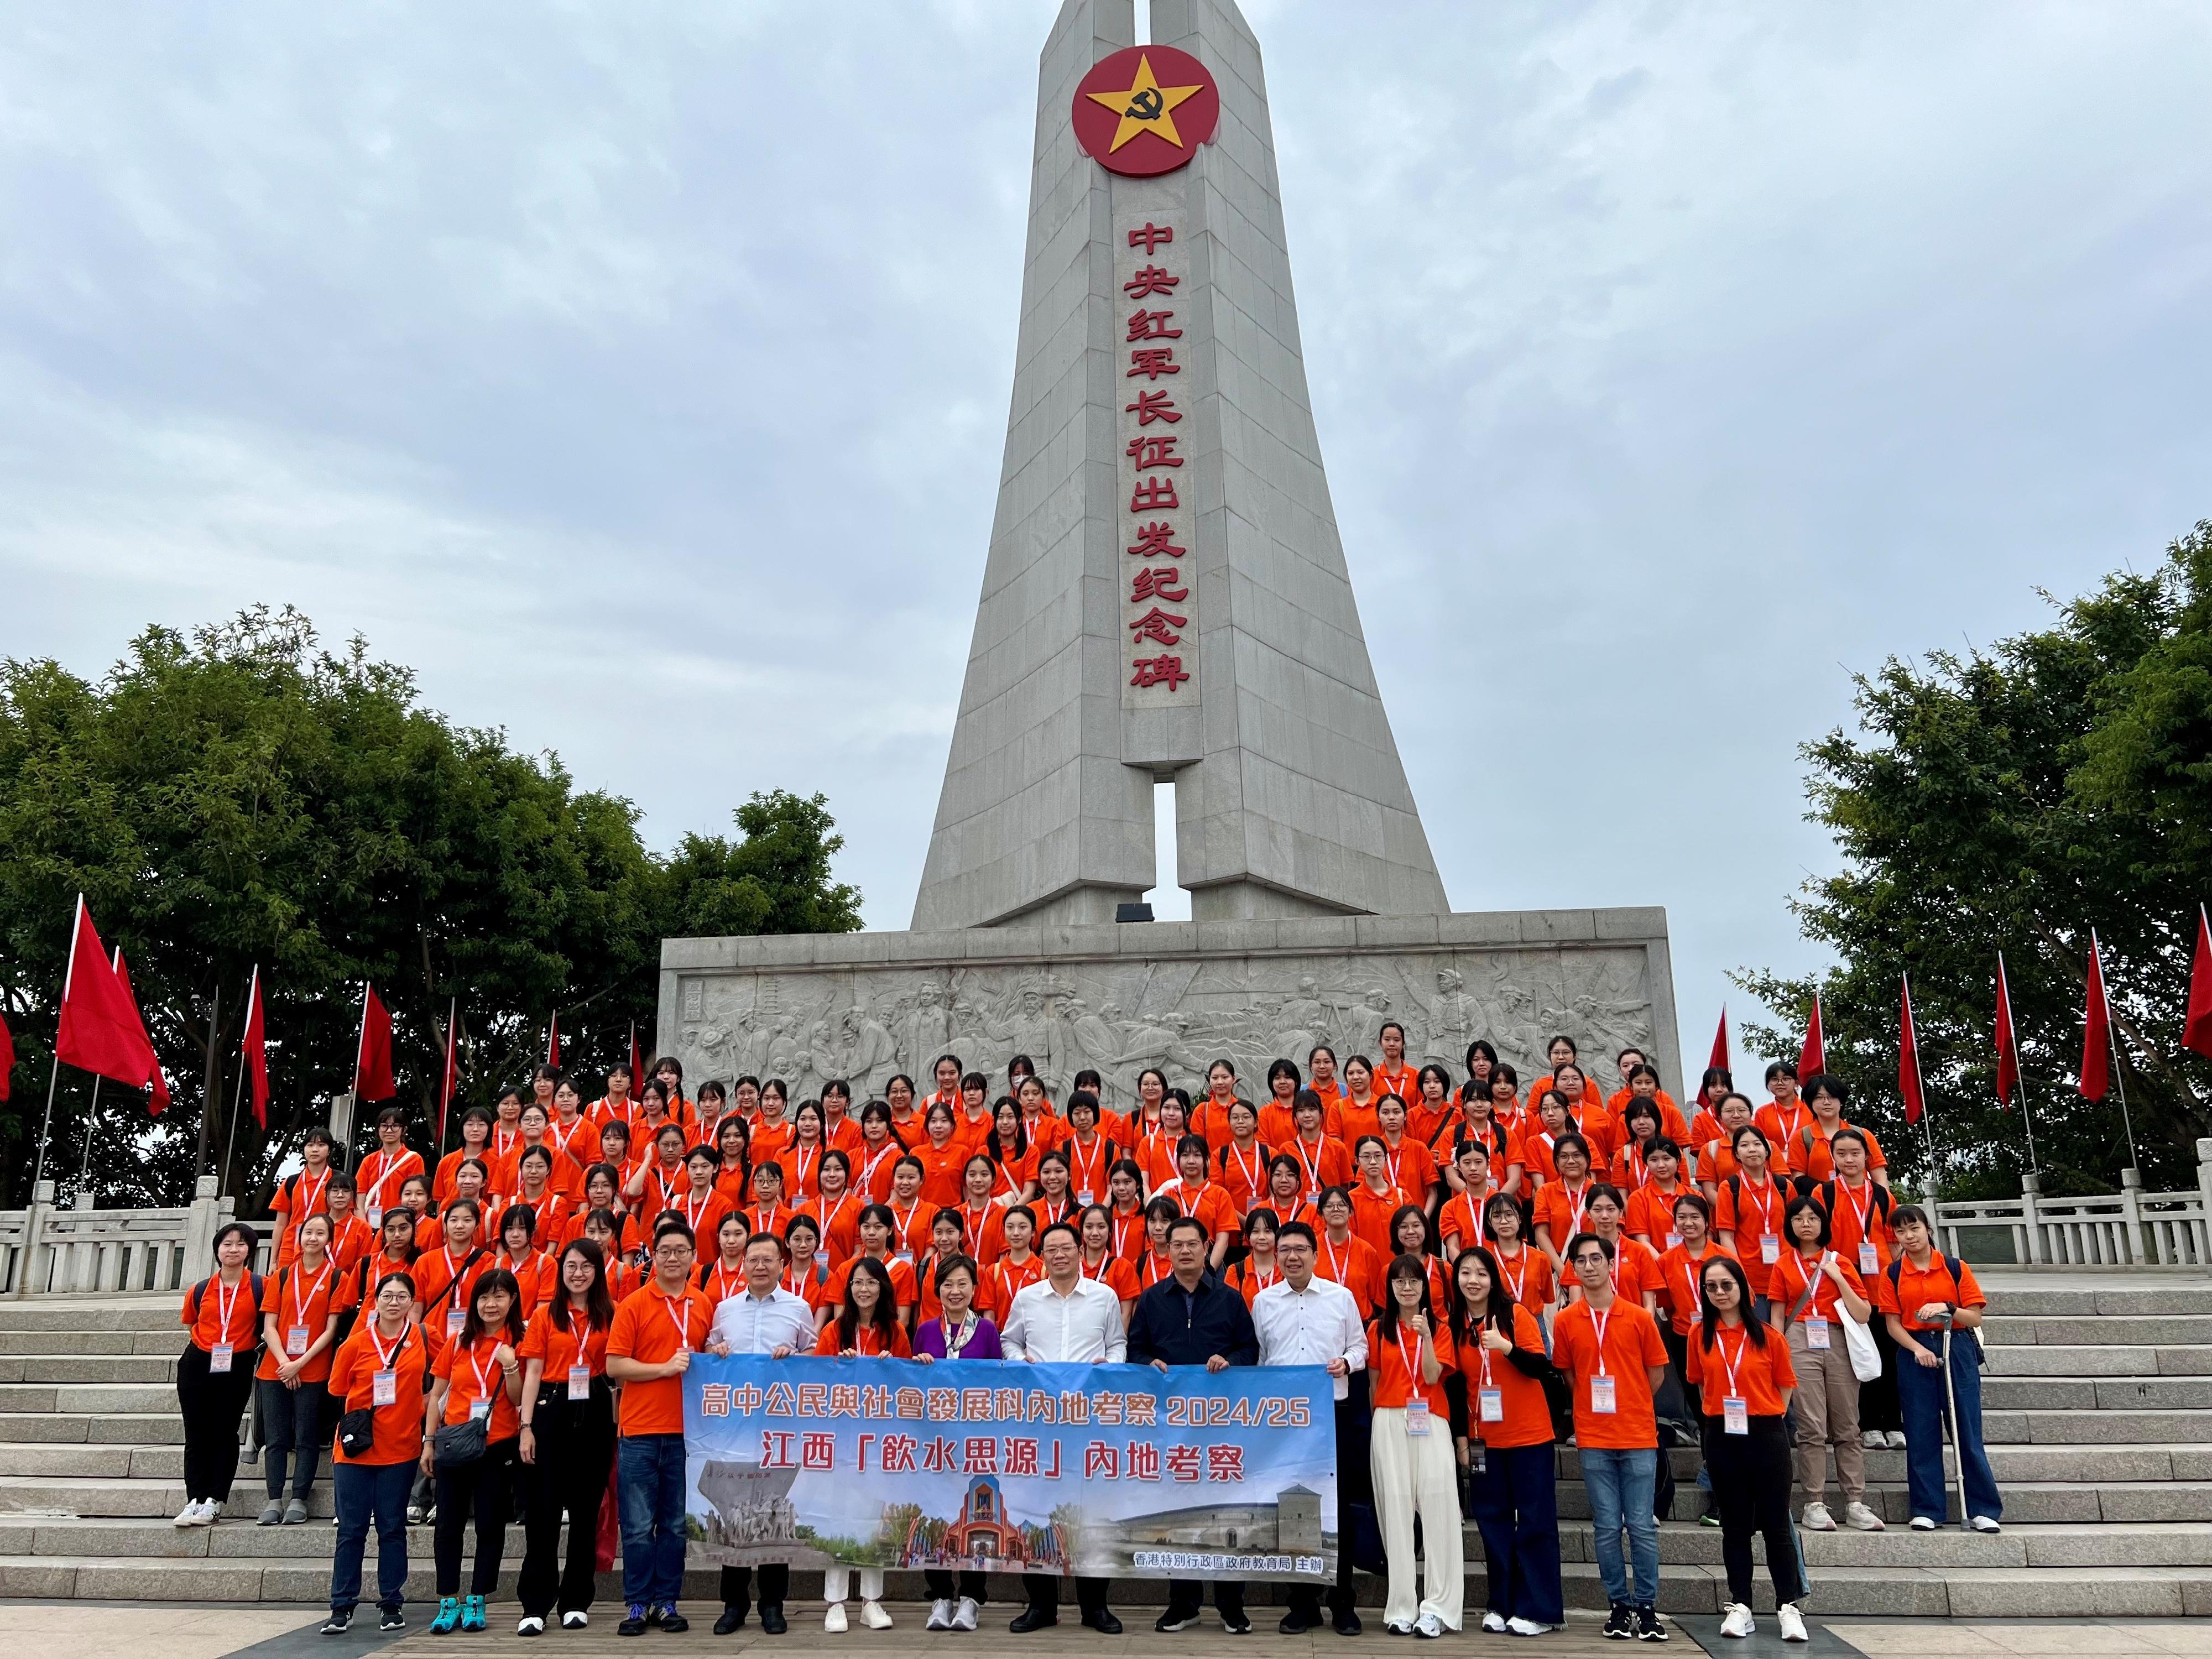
86, 1342
2023, 1296
1960, 1592
97, 1399
108, 1313
97, 1366
2103, 1428
2030, 1359
2097, 1393
123, 1428
2147, 1330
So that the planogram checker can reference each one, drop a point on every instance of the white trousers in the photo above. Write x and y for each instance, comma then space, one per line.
1416, 1474
837, 1581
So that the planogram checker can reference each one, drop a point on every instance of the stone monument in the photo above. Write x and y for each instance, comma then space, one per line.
1165, 598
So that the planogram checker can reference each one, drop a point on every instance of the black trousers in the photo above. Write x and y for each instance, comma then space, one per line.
211, 1403
291, 1428
775, 1584
575, 1457
1355, 1484
1186, 1596
939, 1580
1043, 1591
478, 1491
1878, 1408
1751, 1488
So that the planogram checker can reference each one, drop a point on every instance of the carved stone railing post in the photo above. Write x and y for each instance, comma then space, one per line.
2031, 1188
31, 1269
200, 1229
2131, 1217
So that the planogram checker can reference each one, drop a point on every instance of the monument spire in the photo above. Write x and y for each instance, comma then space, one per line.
1165, 596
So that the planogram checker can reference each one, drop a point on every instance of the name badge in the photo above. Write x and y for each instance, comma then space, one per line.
454, 1320
822, 1262
1735, 1417
296, 1341
580, 1382
219, 1357
1816, 1333
479, 1410
906, 1256
1869, 1261
1085, 1198
383, 1388
1493, 1405
1602, 1401
1417, 1417
1673, 1241
1770, 1250
376, 1215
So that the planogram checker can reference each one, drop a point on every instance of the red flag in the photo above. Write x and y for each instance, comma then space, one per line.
161, 1086
253, 1049
2007, 1049
372, 1067
553, 1042
451, 1077
2097, 1034
1908, 1058
1812, 1060
101, 1030
1719, 1056
2196, 1029
7, 1056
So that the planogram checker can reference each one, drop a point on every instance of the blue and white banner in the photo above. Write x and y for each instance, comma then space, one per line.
1105, 1471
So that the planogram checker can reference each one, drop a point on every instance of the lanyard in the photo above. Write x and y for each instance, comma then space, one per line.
1742, 1342
301, 1304
1691, 1266
1312, 1164
308, 1196
678, 1315
1272, 1275
1084, 1269
904, 1224
695, 1206
1413, 1359
386, 1163
1252, 1170
971, 1227
386, 1356
502, 1139
868, 1169
799, 1157
1335, 1262
483, 1377
1598, 1323
1121, 1226
1390, 1161
830, 1219
1087, 1166
725, 1277
1861, 1210
764, 1218
1765, 1202
224, 1301
1514, 1281
1182, 1198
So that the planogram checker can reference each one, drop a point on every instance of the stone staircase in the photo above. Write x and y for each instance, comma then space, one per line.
2098, 1413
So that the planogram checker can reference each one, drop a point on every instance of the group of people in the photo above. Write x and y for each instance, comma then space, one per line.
1483, 1270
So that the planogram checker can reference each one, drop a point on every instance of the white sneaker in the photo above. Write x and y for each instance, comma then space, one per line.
1494, 1623
1429, 1627
530, 1625
1984, 1523
834, 1621
210, 1512
575, 1618
1923, 1523
1817, 1518
963, 1616
1862, 1517
1792, 1623
1528, 1627
189, 1515
873, 1616
940, 1616
1739, 1621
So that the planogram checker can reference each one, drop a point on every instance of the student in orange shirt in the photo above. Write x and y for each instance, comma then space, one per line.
1090, 1150
1537, 1142
1287, 1194
649, 1347
533, 1187
1410, 1167
601, 1190
1932, 1304
1612, 1348
876, 1229
1410, 1453
1254, 1271
1040, 1122
444, 1277
616, 1105
535, 1272
1055, 1197
971, 1106
1411, 1235
478, 1380
1375, 1197
807, 1268
905, 1116
942, 1154
1595, 1124
881, 1152
866, 1327
1019, 1267
1013, 1158
351, 1239
1151, 1266
1101, 1262
1156, 1155
910, 1215
1194, 1195
980, 1233
567, 1443
215, 1375
1680, 1265
1784, 1116
1241, 1164
1431, 1116
1515, 1496
1639, 1127
1211, 1120
945, 1071
724, 1275
801, 1157
1744, 1377
1320, 1065
1459, 1226
772, 1128
1501, 1145
1505, 1103
506, 1136
299, 1329
536, 1126
1125, 1208
1748, 1216
733, 1167
617, 1152
835, 1208
1651, 1205
1635, 1267
571, 1133
395, 1253
1394, 1076
1717, 1157
301, 1195
713, 1105
1355, 1112
1810, 1287
1276, 1122
841, 1130
379, 1370
656, 1185
668, 1072
1639, 1081
1482, 1060
767, 1212
1560, 1203
1525, 1270
1324, 1160
384, 1170
415, 1201
1809, 1152
1717, 1083
1342, 1257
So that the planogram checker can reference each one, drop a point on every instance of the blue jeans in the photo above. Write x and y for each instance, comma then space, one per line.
360, 1490
653, 1485
1619, 1485
1920, 1393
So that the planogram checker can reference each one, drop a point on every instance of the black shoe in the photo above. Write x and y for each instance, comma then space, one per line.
633, 1623
652, 1615
1620, 1623
1104, 1622
392, 1618
672, 1621
1298, 1623
732, 1618
1175, 1620
1237, 1624
339, 1624
772, 1622
1648, 1627
1346, 1623
1029, 1619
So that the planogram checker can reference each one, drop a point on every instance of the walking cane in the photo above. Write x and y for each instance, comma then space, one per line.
1951, 1404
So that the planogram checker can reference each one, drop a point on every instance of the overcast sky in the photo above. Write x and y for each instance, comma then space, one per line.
640, 375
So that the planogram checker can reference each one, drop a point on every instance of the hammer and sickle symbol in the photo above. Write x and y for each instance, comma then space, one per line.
1147, 105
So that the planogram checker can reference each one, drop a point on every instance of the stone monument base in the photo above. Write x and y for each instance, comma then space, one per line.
1116, 998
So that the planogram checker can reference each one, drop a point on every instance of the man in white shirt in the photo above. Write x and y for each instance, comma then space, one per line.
766, 1320
1064, 1319
1304, 1321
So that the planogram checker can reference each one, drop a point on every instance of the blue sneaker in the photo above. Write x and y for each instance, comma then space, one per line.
472, 1615
633, 1622
449, 1616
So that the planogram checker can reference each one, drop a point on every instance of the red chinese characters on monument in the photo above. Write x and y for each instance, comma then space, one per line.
1158, 616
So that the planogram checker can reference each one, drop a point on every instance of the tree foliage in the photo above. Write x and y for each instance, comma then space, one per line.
2011, 800
243, 798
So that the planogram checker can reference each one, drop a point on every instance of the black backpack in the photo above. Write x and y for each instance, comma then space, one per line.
193, 1298
1957, 1270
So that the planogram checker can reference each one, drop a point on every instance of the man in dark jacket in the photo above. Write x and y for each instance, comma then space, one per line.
1191, 1318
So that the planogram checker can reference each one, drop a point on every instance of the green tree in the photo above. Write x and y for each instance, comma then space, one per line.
2012, 800
242, 797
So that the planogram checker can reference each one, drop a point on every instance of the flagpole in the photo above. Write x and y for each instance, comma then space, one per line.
446, 1072
54, 1078
2112, 1043
230, 1142
91, 1127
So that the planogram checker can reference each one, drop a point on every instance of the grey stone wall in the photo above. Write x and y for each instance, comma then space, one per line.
863, 1006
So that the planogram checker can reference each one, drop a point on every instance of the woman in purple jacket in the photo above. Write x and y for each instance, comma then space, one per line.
960, 1333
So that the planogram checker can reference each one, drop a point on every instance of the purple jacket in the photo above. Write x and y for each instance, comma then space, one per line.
982, 1341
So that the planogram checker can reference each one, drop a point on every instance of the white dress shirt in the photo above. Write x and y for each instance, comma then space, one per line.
762, 1324
1311, 1327
1082, 1327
